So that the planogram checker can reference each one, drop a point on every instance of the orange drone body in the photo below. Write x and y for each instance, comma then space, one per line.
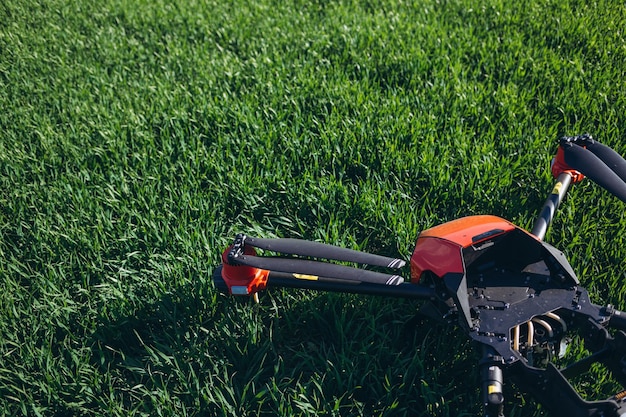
439, 249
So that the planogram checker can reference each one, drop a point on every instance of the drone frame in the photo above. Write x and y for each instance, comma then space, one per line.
504, 286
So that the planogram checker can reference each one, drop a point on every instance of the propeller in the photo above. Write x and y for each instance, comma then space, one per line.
591, 163
610, 158
315, 269
322, 250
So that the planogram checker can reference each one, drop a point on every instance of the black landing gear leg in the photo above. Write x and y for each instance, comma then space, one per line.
491, 383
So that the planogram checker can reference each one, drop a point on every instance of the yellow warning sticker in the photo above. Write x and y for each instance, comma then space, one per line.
307, 277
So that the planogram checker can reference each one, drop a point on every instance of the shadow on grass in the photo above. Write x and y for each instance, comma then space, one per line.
196, 352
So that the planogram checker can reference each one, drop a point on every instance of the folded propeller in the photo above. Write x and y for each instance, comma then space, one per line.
242, 253
594, 160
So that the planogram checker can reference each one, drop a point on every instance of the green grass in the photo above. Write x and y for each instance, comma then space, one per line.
137, 137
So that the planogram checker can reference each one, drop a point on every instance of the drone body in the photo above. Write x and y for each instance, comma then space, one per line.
518, 298
513, 294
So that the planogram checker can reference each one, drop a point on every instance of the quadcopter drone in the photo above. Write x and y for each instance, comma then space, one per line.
512, 293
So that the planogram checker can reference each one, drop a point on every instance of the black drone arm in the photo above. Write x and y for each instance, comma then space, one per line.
306, 282
563, 181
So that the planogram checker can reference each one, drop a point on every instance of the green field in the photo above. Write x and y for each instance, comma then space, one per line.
138, 137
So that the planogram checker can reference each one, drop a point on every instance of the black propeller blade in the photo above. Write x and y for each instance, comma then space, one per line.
321, 250
315, 269
610, 158
594, 168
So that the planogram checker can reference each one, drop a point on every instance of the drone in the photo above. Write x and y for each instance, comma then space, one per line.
513, 294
